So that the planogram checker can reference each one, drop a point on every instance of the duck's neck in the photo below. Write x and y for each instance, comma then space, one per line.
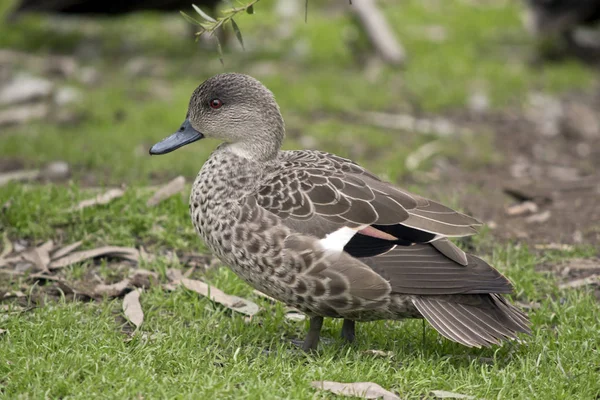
258, 149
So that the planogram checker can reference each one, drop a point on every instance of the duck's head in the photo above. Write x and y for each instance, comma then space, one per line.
236, 109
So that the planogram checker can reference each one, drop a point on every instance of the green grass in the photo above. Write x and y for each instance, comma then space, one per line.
189, 347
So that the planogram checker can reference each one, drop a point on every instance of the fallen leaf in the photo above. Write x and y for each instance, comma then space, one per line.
143, 278
414, 159
174, 275
112, 290
103, 198
7, 246
294, 315
365, 390
442, 394
264, 296
379, 353
577, 283
132, 308
63, 251
40, 256
232, 302
539, 218
17, 294
24, 175
554, 246
2, 331
526, 207
128, 253
173, 187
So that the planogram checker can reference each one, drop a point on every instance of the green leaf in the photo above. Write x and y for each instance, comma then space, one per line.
203, 14
238, 33
250, 10
220, 51
189, 19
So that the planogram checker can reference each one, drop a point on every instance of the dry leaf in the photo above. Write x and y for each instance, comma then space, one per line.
365, 390
379, 353
442, 394
539, 218
24, 175
17, 294
526, 207
577, 283
554, 246
132, 308
128, 253
103, 198
7, 246
112, 290
232, 302
63, 251
170, 189
264, 296
2, 331
40, 256
143, 278
294, 315
174, 275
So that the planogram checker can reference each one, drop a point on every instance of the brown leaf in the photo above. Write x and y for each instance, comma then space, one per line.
442, 394
539, 218
112, 290
174, 275
577, 283
364, 390
526, 207
170, 189
143, 278
2, 331
132, 308
23, 175
103, 198
17, 294
40, 256
128, 253
63, 251
7, 246
232, 302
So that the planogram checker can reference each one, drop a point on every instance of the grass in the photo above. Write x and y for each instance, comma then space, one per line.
189, 347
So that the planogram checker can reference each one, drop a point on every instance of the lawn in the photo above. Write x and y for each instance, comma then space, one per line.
189, 347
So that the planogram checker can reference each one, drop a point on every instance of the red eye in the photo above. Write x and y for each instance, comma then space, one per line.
215, 103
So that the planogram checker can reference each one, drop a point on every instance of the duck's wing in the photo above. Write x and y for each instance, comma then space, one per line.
320, 194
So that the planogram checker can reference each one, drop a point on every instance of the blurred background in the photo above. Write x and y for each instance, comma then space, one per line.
491, 107
485, 104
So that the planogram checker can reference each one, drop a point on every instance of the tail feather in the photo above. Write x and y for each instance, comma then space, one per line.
473, 320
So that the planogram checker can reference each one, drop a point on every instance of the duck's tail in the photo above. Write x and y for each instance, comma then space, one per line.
473, 320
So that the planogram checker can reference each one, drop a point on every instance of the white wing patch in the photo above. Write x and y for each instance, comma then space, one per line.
336, 241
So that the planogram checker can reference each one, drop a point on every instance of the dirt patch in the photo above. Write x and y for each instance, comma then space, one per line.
551, 159
576, 273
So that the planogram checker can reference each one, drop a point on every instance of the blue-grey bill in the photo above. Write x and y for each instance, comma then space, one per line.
185, 135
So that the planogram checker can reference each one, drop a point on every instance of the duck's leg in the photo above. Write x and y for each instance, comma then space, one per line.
314, 331
348, 332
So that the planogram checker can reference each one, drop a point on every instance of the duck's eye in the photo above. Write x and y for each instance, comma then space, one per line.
215, 103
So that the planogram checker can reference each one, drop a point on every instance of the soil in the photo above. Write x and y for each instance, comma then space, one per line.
559, 173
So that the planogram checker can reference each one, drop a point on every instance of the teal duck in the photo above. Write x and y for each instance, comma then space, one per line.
322, 234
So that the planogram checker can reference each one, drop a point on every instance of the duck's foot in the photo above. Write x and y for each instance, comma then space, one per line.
348, 330
314, 331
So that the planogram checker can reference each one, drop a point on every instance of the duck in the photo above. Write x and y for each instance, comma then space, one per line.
320, 233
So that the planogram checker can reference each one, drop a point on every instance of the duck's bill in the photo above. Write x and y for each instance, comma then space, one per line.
185, 135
